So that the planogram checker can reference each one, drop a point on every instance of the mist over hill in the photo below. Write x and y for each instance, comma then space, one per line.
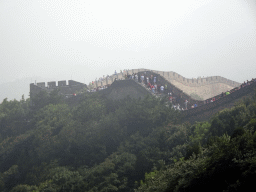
15, 89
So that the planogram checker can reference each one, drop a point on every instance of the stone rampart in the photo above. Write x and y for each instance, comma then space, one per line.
203, 87
205, 111
65, 89
167, 77
196, 82
179, 95
121, 89
118, 76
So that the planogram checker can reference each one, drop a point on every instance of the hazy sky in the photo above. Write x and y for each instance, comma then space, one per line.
85, 39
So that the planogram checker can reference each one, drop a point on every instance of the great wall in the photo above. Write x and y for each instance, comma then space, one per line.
65, 89
181, 88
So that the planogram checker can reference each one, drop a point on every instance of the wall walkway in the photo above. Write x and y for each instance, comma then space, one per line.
206, 111
120, 89
204, 87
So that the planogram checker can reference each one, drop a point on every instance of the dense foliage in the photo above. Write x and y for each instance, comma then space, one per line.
48, 144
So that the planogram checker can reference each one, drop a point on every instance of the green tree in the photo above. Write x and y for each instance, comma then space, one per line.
13, 117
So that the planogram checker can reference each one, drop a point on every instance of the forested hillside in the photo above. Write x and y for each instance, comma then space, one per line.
104, 145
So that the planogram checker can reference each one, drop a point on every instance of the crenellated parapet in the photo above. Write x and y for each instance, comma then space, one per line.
64, 88
118, 76
205, 87
195, 82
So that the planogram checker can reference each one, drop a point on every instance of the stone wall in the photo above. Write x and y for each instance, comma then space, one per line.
176, 92
65, 89
119, 76
171, 78
120, 89
204, 87
198, 82
204, 112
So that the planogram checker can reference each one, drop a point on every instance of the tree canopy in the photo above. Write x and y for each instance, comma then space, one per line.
48, 144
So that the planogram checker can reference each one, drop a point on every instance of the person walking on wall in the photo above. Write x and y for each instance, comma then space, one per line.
162, 89
158, 88
142, 78
170, 99
153, 88
186, 104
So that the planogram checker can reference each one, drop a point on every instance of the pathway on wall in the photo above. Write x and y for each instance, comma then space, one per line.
136, 90
205, 112
169, 77
204, 87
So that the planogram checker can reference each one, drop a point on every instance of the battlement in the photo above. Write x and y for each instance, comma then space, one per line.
42, 85
65, 89
53, 84
170, 75
62, 83
207, 86
195, 82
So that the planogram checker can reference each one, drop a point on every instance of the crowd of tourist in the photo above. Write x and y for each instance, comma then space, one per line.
156, 87
151, 83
